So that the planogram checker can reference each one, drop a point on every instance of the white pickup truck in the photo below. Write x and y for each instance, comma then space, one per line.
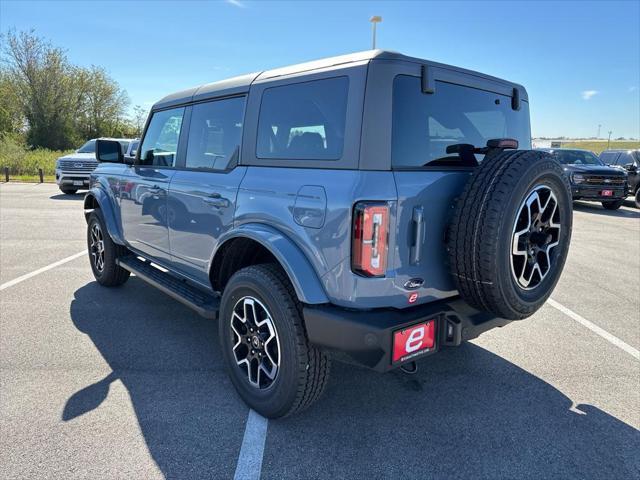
73, 170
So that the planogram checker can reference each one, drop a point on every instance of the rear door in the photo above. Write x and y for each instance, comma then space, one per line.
143, 199
463, 108
203, 192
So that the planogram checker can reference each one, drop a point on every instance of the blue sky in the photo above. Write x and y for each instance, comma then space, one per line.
580, 61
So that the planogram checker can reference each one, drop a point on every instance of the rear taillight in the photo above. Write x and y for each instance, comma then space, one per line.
370, 239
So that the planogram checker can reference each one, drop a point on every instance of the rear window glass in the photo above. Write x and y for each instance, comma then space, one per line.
425, 124
215, 133
303, 121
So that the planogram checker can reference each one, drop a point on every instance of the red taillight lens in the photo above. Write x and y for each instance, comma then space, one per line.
370, 233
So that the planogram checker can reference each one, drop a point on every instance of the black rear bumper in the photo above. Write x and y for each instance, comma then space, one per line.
366, 336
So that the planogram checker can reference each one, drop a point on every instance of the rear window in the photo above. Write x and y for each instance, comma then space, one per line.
304, 121
425, 124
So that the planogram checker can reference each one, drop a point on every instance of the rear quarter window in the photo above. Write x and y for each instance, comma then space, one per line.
303, 121
425, 124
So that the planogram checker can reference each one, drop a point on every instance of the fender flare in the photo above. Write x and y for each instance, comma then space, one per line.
303, 277
99, 196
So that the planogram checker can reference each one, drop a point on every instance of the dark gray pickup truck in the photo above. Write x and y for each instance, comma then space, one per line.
375, 205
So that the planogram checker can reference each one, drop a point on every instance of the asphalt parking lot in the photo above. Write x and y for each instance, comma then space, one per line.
127, 383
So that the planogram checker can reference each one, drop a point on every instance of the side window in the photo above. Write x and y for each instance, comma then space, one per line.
303, 121
215, 133
160, 142
608, 158
624, 159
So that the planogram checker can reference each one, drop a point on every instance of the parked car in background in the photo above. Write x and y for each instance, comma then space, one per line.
629, 160
132, 149
591, 179
73, 170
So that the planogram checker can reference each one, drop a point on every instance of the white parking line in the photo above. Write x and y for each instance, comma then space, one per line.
27, 276
250, 459
596, 329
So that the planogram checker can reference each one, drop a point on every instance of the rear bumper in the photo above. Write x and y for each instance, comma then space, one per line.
594, 192
366, 336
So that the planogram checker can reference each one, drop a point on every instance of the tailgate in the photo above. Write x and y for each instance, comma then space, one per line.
425, 204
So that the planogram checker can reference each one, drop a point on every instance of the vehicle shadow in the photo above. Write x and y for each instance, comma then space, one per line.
466, 413
67, 196
168, 359
600, 210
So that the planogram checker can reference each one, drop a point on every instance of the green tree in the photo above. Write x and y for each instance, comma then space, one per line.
11, 117
139, 119
101, 103
40, 74
61, 104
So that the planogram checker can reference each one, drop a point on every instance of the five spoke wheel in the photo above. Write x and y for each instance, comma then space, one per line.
96, 247
536, 233
256, 346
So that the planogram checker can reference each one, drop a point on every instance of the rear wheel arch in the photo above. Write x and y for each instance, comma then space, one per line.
265, 245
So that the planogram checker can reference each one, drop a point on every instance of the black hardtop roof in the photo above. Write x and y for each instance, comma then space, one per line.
241, 84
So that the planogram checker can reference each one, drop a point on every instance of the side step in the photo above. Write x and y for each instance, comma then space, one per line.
205, 303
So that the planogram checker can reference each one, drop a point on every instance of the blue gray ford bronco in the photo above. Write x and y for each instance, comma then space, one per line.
374, 207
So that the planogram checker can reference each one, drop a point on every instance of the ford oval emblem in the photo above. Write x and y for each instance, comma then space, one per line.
413, 283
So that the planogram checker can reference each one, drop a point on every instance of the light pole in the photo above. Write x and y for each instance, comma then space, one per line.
599, 130
609, 141
374, 20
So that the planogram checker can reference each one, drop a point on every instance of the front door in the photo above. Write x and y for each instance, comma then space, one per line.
202, 194
144, 206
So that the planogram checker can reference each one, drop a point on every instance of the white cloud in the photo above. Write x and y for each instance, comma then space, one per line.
587, 94
236, 3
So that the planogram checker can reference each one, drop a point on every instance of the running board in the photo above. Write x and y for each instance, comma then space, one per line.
205, 303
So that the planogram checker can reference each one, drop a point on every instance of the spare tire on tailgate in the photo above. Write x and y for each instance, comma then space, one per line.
510, 233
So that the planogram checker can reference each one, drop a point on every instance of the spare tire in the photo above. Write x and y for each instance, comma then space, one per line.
510, 233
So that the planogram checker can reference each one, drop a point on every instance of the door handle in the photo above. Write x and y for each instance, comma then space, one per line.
216, 200
418, 235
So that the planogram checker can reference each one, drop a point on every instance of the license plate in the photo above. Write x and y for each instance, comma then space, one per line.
78, 183
607, 193
413, 341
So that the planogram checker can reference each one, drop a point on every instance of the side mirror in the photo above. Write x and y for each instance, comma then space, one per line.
631, 167
109, 151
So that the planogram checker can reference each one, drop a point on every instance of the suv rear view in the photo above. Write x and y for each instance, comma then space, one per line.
373, 204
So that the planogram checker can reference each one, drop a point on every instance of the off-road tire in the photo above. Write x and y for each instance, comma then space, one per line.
612, 204
112, 275
479, 237
69, 191
304, 369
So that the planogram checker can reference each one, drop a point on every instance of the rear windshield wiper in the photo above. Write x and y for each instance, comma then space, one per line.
467, 152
